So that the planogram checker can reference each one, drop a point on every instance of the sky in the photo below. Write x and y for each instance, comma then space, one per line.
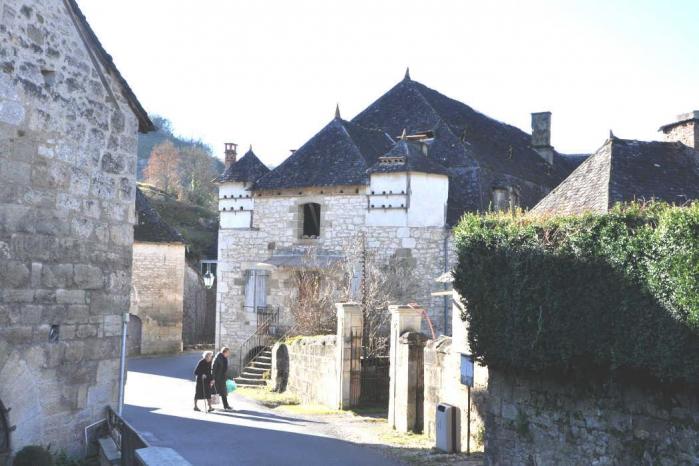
270, 72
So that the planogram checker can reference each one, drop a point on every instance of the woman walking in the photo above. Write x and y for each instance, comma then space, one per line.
203, 381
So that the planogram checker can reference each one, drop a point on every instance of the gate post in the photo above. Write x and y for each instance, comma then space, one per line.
350, 325
406, 369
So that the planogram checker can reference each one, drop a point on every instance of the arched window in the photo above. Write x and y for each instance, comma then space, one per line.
310, 220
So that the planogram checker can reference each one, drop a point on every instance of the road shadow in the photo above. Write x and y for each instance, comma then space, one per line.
179, 366
206, 442
261, 415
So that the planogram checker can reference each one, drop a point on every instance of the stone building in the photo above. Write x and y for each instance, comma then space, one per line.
68, 136
398, 176
157, 291
625, 170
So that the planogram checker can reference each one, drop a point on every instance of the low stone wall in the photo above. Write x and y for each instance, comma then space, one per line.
443, 385
313, 369
532, 420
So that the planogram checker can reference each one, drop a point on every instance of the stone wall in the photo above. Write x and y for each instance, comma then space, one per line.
199, 321
533, 420
157, 295
343, 222
313, 369
443, 385
67, 191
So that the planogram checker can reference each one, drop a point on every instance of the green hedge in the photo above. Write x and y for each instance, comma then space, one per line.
594, 294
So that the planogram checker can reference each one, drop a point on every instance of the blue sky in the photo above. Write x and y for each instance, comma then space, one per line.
268, 73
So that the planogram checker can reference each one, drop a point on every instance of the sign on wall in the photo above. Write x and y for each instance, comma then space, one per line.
467, 369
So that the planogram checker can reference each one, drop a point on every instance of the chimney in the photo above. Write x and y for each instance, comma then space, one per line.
231, 152
541, 135
684, 129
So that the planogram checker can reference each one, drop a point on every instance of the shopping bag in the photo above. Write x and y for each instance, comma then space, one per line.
230, 386
215, 399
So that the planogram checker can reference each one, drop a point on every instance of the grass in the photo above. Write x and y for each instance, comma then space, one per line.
311, 410
267, 397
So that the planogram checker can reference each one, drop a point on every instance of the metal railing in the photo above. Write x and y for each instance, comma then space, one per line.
125, 437
268, 333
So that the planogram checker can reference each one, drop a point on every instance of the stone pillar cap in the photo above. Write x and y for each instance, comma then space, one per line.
402, 308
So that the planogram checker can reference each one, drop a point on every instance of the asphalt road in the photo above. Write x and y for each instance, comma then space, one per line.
159, 402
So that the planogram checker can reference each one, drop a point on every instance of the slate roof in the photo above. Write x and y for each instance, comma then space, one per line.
406, 156
247, 168
150, 228
144, 123
625, 170
339, 154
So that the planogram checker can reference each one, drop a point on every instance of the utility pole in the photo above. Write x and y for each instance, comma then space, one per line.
122, 361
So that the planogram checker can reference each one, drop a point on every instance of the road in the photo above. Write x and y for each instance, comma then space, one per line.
159, 402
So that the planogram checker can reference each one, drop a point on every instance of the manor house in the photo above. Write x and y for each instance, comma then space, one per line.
398, 177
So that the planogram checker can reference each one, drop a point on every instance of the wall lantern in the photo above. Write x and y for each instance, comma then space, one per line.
209, 279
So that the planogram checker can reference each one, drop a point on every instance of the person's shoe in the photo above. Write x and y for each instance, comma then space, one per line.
196, 409
211, 409
229, 409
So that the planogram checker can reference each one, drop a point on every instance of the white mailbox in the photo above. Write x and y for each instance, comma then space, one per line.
445, 424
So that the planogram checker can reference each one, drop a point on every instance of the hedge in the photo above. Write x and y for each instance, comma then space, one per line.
577, 295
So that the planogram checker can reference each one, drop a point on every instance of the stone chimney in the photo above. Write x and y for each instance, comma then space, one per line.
541, 135
231, 152
684, 129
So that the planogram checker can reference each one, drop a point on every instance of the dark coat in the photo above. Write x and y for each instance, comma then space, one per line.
203, 373
220, 368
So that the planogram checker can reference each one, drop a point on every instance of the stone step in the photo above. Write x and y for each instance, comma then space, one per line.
262, 365
250, 375
255, 370
243, 381
266, 354
263, 359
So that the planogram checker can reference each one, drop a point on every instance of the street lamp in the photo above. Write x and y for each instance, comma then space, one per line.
209, 279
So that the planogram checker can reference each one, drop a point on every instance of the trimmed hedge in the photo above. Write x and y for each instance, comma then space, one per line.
594, 294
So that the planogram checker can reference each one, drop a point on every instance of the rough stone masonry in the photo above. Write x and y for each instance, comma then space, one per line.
68, 136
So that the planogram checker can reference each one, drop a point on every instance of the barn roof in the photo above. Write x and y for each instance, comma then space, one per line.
247, 168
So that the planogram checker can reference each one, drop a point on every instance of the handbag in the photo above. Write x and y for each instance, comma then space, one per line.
215, 397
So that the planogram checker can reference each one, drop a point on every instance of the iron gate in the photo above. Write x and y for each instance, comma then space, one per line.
375, 380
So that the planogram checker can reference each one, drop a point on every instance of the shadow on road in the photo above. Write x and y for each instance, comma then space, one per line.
222, 440
179, 366
263, 416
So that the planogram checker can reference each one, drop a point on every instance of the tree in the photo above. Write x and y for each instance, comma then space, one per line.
163, 169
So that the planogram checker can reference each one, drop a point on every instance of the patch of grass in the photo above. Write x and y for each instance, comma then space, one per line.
406, 439
311, 410
267, 397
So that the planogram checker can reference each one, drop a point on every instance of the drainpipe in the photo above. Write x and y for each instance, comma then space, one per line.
122, 360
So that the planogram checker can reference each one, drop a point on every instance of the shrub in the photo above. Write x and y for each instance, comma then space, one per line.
594, 294
33, 455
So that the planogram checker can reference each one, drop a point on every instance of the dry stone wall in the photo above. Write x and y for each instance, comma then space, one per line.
276, 221
532, 420
157, 295
67, 193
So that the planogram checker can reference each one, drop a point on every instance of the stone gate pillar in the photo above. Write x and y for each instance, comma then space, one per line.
406, 371
350, 327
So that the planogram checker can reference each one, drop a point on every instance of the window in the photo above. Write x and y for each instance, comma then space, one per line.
505, 199
310, 218
255, 290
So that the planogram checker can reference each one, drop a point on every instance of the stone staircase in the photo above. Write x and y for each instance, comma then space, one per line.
257, 372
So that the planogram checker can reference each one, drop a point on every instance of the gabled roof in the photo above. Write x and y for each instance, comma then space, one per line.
339, 154
92, 42
149, 227
626, 170
247, 168
406, 156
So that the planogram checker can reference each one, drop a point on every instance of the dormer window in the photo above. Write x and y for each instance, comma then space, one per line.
310, 220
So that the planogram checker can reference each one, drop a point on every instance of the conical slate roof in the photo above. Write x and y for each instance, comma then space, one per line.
248, 168
407, 156
626, 170
339, 154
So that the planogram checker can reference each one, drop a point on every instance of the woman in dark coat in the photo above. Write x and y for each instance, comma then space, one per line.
203, 381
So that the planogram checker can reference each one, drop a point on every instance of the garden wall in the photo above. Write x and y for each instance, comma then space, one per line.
532, 420
313, 369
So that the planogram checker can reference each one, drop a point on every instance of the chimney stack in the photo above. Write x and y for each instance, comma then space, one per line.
684, 129
231, 153
541, 135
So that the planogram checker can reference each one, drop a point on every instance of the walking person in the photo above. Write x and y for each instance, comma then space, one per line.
204, 381
220, 369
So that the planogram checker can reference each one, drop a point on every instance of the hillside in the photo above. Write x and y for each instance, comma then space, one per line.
164, 132
199, 226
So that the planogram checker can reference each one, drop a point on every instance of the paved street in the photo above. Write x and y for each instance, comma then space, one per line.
159, 394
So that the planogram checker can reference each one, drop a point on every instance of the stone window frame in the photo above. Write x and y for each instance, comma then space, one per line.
297, 210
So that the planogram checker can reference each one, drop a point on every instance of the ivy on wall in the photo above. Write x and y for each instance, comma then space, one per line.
595, 294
